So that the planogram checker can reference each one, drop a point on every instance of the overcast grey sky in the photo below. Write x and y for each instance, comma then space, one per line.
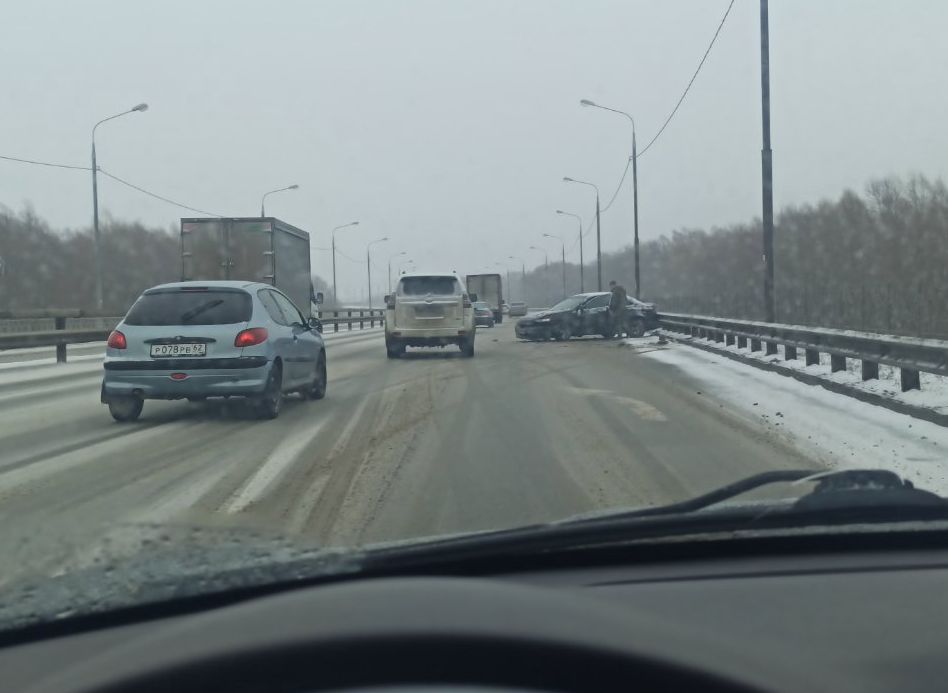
448, 126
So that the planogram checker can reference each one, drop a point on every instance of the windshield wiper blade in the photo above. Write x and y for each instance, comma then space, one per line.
197, 310
722, 493
835, 489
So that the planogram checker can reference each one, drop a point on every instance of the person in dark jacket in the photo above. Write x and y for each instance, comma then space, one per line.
617, 308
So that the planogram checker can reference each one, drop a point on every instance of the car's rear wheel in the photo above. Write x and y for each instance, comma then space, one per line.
467, 347
317, 390
269, 404
126, 408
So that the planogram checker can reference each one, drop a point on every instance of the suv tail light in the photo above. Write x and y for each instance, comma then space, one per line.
390, 301
467, 301
117, 340
251, 337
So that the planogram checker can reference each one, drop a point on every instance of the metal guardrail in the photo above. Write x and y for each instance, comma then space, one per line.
60, 337
348, 317
909, 355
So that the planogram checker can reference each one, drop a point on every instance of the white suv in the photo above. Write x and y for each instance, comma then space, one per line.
428, 310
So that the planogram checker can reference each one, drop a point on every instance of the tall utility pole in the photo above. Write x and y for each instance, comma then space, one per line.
635, 190
767, 170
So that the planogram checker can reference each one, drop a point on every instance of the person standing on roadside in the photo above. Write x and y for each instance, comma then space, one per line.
617, 308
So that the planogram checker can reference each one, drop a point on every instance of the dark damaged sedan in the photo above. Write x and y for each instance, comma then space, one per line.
585, 314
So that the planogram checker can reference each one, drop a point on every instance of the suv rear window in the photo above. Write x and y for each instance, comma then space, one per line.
178, 307
421, 286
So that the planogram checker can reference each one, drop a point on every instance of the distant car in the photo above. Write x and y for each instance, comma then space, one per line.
194, 340
585, 314
483, 315
428, 310
517, 308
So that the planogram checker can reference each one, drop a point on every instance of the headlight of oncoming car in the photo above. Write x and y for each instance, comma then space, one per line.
539, 320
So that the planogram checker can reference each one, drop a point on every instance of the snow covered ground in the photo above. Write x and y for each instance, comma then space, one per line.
840, 431
933, 395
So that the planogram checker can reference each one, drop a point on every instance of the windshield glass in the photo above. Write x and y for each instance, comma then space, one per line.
367, 169
421, 286
570, 303
191, 308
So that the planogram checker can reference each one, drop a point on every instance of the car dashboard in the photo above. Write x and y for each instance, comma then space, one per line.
853, 620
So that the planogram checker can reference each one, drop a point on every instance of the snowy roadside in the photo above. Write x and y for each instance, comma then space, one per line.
834, 429
933, 394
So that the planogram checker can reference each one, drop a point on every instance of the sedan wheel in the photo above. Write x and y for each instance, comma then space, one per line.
562, 333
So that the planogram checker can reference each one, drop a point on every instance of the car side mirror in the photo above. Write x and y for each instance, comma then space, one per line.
472, 298
319, 297
316, 324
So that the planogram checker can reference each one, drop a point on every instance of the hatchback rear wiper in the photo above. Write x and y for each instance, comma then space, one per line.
197, 310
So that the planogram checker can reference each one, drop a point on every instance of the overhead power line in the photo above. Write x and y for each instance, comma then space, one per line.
45, 163
690, 81
628, 163
113, 177
156, 195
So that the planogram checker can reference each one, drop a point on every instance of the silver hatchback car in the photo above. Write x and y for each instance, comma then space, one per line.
197, 340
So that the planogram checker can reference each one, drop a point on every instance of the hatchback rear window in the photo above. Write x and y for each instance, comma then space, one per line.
421, 286
191, 308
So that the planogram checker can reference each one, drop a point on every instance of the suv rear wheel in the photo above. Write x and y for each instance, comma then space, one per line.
467, 347
393, 349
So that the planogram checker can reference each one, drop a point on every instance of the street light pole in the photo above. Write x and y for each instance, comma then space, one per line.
635, 188
264, 198
368, 263
563, 256
523, 276
598, 234
335, 293
582, 282
390, 257
546, 266
140, 108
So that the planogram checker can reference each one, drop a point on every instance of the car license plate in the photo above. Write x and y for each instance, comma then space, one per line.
164, 350
428, 311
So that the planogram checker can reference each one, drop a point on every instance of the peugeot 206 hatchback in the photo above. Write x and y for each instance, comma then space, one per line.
197, 340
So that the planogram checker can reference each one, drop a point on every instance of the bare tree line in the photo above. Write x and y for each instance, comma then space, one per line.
876, 262
44, 268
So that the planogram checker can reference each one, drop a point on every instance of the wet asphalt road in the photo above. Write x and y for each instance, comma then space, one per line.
430, 444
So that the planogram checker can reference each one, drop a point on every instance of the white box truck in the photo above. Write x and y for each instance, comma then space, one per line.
489, 289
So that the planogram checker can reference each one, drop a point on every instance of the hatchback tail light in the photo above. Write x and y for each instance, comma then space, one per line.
117, 340
251, 337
